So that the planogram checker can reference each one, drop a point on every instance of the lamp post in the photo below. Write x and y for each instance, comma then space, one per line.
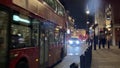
87, 23
95, 37
87, 10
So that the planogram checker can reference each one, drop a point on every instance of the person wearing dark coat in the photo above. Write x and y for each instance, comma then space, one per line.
102, 41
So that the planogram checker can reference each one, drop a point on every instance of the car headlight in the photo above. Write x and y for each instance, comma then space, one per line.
77, 42
70, 42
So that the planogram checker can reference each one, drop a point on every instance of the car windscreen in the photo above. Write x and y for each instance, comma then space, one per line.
74, 39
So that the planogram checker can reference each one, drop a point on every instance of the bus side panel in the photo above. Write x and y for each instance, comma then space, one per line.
54, 54
6, 2
51, 57
31, 55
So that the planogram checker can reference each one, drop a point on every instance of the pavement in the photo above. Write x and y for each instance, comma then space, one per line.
101, 58
106, 58
68, 60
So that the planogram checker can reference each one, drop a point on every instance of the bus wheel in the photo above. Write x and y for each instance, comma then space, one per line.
22, 64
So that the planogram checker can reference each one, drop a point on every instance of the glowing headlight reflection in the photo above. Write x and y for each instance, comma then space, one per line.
77, 42
70, 42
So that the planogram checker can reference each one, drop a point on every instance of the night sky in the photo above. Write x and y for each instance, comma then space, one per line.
77, 10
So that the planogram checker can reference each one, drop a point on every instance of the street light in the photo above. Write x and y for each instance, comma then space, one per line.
88, 22
87, 12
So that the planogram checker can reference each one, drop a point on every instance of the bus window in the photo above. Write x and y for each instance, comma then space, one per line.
49, 27
3, 38
51, 3
44, 45
60, 10
51, 35
56, 35
21, 33
35, 32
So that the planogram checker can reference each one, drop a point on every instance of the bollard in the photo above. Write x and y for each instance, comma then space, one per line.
82, 61
85, 59
119, 44
74, 65
88, 58
90, 55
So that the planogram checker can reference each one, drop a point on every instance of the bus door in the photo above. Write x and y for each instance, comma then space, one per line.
3, 38
43, 47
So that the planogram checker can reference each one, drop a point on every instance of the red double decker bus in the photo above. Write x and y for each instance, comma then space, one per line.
32, 33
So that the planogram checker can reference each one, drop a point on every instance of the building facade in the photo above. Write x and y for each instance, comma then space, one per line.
107, 16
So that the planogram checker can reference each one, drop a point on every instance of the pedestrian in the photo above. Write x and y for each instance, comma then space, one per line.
119, 44
102, 40
74, 65
108, 41
91, 40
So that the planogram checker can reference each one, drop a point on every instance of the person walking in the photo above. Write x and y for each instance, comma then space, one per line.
108, 41
119, 42
102, 40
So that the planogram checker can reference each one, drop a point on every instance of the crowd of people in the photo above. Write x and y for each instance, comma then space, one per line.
102, 41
